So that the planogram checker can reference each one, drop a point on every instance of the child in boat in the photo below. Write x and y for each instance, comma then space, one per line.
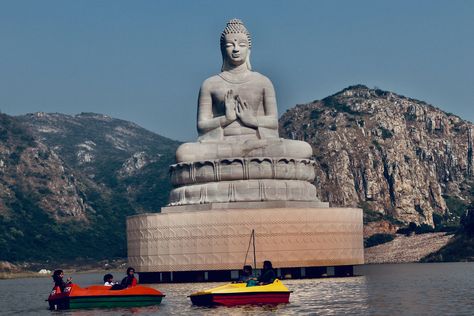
109, 280
268, 274
129, 280
58, 276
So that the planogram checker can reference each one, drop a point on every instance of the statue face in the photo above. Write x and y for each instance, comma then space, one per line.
236, 48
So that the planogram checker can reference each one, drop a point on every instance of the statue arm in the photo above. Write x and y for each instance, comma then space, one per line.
270, 119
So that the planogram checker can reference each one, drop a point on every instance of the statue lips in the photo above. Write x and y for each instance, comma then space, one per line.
236, 57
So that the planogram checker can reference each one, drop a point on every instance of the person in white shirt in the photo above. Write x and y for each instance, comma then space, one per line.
109, 280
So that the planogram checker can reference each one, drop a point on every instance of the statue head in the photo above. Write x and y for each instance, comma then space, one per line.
235, 45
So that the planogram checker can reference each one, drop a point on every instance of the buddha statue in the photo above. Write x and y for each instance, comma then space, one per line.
237, 110
239, 155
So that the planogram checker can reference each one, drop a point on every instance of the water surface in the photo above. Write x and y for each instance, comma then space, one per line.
402, 289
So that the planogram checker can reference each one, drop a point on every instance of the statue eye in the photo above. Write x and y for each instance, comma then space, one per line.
229, 45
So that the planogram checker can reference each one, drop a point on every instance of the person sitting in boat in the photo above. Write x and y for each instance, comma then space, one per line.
59, 283
246, 274
129, 280
268, 274
109, 280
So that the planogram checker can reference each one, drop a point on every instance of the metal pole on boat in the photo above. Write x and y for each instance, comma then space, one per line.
254, 254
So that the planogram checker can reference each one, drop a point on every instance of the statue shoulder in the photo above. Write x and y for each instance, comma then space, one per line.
211, 80
209, 83
262, 79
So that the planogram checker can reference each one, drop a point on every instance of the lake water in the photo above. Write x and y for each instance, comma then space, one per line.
402, 289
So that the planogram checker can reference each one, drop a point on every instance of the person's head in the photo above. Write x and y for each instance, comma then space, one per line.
130, 271
58, 274
267, 264
235, 45
108, 278
247, 270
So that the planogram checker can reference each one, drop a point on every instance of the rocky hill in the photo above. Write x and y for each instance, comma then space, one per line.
398, 158
67, 184
121, 157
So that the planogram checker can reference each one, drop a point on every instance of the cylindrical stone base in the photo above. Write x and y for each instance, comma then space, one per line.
214, 240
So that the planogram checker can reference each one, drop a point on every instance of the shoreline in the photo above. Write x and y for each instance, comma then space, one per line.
10, 270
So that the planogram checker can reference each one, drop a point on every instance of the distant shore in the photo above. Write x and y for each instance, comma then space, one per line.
10, 270
402, 249
405, 249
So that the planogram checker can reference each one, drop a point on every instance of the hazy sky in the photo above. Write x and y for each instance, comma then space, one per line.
144, 61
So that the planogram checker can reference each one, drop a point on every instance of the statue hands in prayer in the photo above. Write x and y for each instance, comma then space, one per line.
245, 114
230, 106
235, 108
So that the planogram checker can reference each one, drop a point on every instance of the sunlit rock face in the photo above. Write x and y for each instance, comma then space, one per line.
239, 156
389, 153
32, 173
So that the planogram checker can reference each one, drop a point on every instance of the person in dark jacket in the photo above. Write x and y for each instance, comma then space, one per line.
268, 274
246, 274
58, 276
129, 280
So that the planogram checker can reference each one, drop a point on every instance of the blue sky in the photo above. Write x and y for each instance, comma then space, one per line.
144, 61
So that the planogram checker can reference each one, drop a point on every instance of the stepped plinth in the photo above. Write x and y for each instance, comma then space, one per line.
238, 177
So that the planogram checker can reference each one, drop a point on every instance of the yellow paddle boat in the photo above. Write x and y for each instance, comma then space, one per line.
238, 294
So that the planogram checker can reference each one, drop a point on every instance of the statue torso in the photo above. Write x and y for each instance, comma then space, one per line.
251, 89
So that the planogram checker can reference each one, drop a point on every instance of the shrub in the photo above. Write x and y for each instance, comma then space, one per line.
315, 114
414, 228
386, 133
378, 239
332, 102
467, 221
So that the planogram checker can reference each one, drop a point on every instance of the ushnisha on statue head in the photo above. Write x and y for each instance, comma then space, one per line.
235, 42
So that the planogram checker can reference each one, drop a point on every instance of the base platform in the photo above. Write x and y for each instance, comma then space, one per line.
214, 241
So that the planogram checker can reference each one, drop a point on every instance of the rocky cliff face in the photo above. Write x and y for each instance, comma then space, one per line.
67, 184
119, 156
390, 154
29, 167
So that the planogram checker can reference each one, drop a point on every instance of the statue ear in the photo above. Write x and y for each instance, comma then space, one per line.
225, 65
247, 61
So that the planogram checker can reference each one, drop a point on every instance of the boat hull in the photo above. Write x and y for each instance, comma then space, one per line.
240, 294
102, 297
271, 298
104, 302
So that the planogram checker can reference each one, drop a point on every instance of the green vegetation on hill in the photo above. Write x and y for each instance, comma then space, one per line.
31, 234
36, 224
